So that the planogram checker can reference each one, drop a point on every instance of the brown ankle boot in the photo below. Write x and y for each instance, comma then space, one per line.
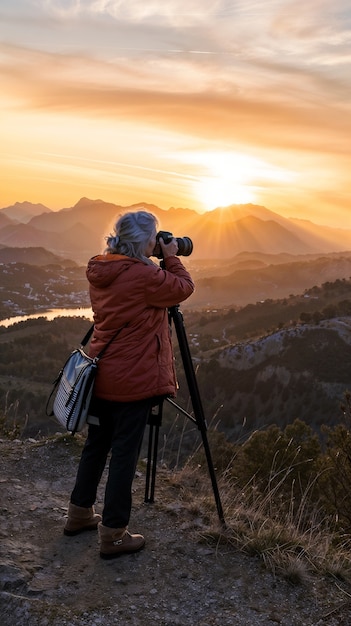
80, 519
116, 541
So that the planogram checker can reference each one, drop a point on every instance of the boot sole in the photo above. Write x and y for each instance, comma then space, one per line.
107, 556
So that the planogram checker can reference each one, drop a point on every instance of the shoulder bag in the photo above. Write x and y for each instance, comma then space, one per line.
73, 386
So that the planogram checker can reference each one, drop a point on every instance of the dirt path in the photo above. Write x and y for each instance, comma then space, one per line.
49, 579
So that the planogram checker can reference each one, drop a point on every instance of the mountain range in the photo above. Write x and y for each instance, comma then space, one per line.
78, 232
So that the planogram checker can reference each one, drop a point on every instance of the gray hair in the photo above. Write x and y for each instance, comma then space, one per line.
133, 231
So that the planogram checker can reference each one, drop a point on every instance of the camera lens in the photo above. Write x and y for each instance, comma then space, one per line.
185, 246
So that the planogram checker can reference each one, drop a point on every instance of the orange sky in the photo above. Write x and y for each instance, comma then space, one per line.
178, 104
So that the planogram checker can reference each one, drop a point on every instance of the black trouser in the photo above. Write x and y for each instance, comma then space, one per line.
121, 430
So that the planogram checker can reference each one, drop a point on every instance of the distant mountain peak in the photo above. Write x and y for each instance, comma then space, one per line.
83, 201
236, 212
24, 211
217, 234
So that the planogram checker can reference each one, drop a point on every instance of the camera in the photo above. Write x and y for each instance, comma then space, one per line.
185, 245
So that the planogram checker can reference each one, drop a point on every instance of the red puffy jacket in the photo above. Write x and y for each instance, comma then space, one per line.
129, 294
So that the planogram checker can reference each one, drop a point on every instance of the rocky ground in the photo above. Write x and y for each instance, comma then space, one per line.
178, 579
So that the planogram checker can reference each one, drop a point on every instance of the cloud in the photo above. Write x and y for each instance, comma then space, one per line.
173, 12
294, 33
67, 9
200, 121
316, 20
250, 76
202, 99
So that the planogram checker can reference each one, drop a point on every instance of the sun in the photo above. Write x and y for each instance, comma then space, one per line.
222, 178
218, 191
226, 178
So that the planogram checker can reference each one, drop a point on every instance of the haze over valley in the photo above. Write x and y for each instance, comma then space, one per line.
242, 253
265, 324
78, 232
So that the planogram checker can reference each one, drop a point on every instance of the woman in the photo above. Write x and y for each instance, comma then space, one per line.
130, 294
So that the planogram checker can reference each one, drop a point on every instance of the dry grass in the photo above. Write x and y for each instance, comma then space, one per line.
293, 542
292, 536
9, 421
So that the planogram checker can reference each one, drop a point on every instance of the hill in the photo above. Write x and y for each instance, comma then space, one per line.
5, 221
34, 279
264, 363
275, 361
267, 281
33, 256
218, 234
178, 579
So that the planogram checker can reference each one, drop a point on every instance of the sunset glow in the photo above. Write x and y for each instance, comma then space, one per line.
194, 106
221, 191
229, 180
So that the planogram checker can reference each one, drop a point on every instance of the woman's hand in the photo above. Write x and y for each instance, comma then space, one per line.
169, 249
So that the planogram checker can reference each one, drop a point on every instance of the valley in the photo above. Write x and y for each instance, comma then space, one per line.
34, 280
259, 364
268, 329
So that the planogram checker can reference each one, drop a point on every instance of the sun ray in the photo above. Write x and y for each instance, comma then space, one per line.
226, 178
214, 191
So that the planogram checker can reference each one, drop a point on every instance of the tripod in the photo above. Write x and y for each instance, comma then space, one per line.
155, 418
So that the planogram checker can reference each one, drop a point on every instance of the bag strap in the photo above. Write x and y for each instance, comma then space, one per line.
109, 342
89, 334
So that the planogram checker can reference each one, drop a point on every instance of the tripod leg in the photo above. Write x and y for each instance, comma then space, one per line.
155, 420
177, 318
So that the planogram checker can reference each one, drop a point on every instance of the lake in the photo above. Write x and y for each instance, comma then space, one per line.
49, 315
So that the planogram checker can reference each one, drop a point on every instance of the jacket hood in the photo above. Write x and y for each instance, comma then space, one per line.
103, 269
